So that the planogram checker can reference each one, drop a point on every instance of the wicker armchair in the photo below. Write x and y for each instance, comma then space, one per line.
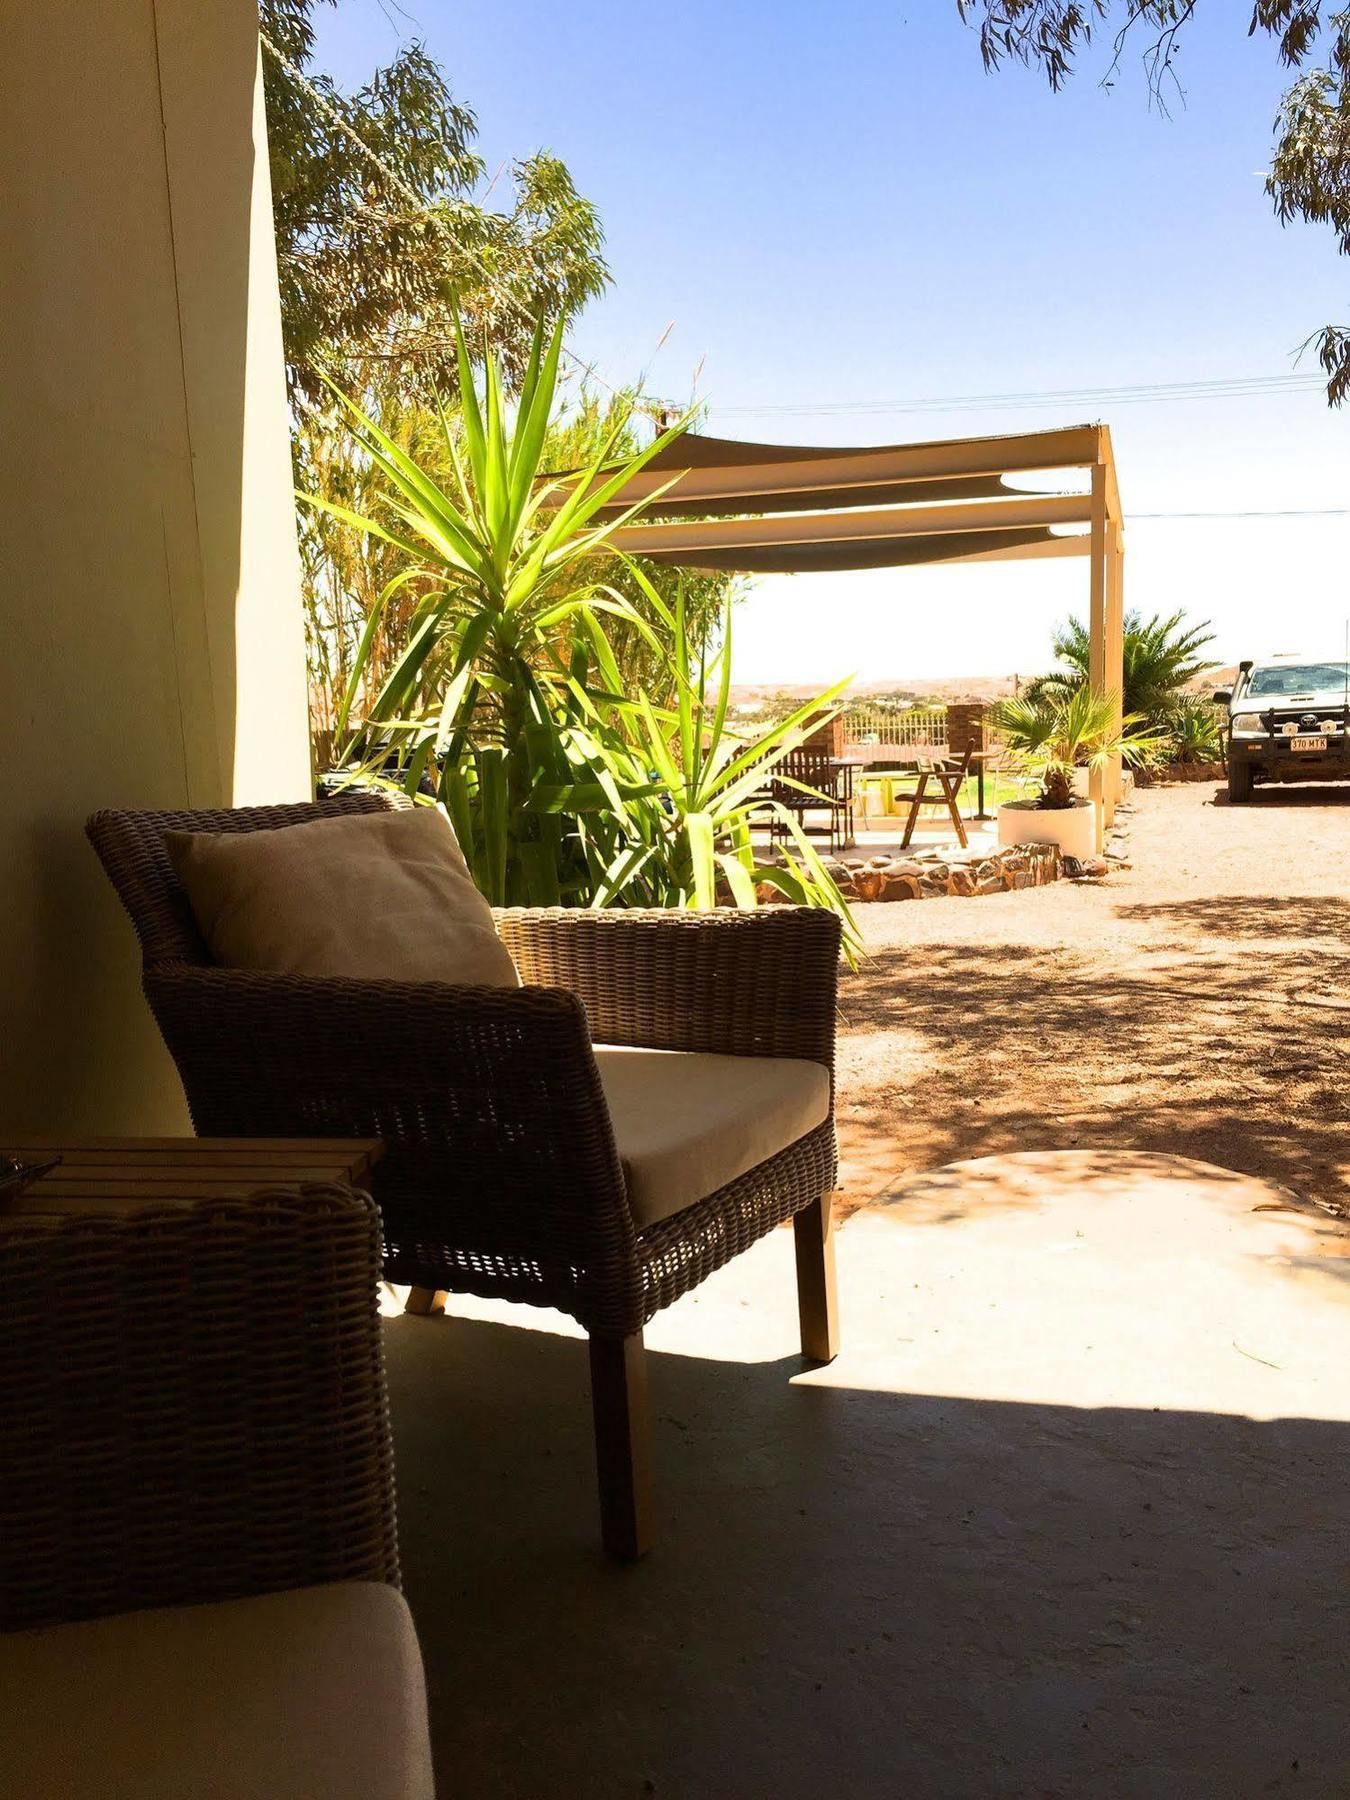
141, 1468
502, 1175
197, 1546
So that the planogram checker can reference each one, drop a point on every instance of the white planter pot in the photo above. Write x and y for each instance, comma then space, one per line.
1073, 828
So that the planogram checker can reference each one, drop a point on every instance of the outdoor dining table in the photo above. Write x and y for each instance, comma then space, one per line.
900, 767
921, 761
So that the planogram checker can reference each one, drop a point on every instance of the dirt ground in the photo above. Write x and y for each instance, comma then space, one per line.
1197, 1003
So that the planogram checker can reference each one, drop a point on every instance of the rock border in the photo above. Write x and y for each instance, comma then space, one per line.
1117, 854
947, 874
1175, 772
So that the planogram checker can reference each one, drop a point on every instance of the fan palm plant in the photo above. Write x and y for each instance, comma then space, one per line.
1049, 738
1161, 657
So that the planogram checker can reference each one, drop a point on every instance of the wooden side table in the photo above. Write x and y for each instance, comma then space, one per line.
122, 1174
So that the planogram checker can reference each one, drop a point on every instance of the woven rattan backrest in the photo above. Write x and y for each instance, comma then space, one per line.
130, 846
194, 1404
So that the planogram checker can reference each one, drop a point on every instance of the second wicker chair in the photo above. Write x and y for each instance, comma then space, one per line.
520, 1162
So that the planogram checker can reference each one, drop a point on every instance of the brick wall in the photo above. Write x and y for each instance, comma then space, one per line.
966, 726
828, 737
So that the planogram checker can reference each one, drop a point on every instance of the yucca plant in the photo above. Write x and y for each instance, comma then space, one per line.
508, 703
670, 798
491, 556
1049, 738
1191, 731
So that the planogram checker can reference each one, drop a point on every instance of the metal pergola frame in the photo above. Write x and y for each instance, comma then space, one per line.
762, 508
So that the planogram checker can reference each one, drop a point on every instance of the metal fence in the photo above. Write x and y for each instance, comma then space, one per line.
871, 731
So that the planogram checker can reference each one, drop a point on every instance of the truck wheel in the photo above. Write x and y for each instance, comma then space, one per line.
1239, 782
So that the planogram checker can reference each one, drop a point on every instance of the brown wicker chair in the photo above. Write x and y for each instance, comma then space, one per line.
197, 1538
501, 1175
143, 1465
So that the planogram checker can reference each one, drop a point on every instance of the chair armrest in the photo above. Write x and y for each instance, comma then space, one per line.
759, 983
499, 1153
194, 1404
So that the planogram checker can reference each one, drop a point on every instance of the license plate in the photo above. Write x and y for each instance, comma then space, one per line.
1308, 743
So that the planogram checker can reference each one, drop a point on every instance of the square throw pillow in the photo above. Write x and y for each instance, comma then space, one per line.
381, 896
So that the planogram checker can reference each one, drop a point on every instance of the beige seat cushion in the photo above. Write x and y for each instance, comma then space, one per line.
293, 1696
381, 896
688, 1123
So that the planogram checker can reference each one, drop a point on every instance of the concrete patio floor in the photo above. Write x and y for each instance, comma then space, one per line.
1065, 1518
881, 836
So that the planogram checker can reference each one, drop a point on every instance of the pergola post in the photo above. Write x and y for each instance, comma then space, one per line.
1101, 781
1115, 638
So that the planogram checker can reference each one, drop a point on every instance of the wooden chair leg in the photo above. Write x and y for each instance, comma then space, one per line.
817, 1302
424, 1301
622, 1445
952, 790
917, 802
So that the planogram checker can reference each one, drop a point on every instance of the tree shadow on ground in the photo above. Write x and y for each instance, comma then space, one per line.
1329, 793
1230, 1053
865, 1593
1166, 1198
1252, 916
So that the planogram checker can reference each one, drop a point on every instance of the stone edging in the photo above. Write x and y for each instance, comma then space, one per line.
930, 874
1170, 772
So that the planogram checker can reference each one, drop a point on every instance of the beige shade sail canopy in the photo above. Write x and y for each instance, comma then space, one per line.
718, 504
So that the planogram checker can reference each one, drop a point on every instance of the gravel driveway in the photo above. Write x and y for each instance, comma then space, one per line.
1197, 1003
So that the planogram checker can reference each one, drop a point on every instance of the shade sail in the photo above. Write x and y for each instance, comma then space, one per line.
874, 553
715, 503
868, 537
775, 508
680, 503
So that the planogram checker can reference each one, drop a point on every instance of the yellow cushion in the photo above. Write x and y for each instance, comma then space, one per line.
380, 896
289, 1696
688, 1123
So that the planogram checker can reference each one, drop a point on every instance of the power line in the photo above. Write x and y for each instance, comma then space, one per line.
1126, 394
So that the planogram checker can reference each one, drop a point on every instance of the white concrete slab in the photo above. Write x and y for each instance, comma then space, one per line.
1065, 1518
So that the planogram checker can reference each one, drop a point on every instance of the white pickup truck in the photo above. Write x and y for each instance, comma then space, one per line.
1288, 720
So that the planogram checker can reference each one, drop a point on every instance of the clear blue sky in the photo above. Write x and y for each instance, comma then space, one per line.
836, 204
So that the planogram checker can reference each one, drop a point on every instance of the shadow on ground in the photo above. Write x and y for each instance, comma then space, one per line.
1329, 793
865, 1594
1220, 1038
1252, 916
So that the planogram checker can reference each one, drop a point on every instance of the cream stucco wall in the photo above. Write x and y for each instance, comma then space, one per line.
151, 639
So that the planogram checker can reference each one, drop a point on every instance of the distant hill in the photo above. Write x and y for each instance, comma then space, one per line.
747, 695
779, 697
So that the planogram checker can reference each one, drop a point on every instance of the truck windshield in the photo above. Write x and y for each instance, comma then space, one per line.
1298, 678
